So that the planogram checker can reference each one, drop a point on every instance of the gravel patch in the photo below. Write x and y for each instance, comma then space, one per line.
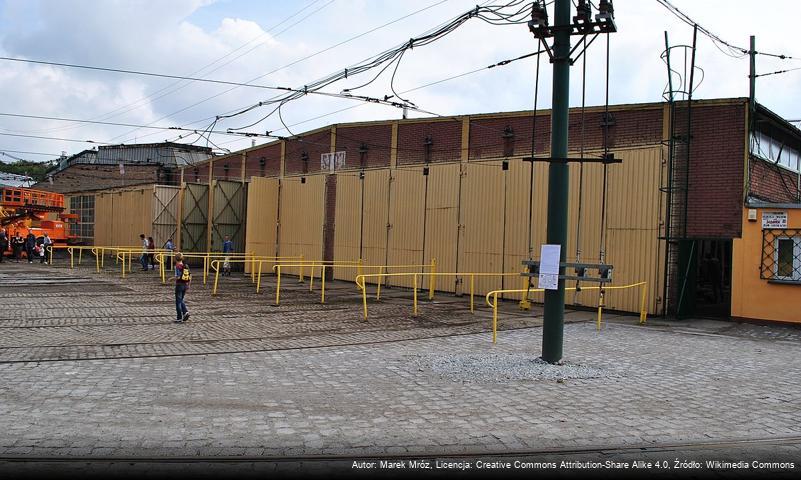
502, 368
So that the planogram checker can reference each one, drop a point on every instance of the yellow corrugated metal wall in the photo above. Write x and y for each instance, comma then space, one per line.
442, 221
347, 222
121, 217
301, 217
406, 207
262, 218
482, 210
103, 218
492, 207
376, 197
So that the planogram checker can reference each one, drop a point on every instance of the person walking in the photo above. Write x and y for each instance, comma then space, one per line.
3, 244
143, 257
151, 249
228, 248
30, 245
46, 243
182, 280
17, 244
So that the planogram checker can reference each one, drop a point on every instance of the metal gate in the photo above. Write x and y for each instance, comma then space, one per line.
229, 214
194, 225
165, 214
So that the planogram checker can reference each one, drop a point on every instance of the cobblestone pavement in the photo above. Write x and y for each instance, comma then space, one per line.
92, 367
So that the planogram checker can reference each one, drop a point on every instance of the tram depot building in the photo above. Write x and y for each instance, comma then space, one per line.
709, 216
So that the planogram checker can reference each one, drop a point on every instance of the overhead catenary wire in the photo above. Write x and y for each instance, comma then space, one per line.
155, 95
734, 51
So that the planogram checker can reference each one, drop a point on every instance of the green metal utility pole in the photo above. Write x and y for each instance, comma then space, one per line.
752, 77
558, 182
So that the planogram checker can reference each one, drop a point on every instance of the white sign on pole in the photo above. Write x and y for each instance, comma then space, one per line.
332, 161
549, 266
774, 219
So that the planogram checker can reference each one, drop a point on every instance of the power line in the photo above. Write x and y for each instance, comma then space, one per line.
30, 153
147, 74
125, 109
295, 62
777, 72
734, 51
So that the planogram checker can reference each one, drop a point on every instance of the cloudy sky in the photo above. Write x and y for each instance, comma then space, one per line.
293, 43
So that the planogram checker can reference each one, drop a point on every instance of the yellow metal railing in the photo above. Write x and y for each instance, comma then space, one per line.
255, 272
360, 283
323, 265
643, 295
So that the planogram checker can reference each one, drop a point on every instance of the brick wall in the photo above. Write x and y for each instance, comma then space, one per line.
313, 145
435, 141
371, 144
83, 177
264, 161
228, 168
715, 198
511, 136
772, 183
330, 216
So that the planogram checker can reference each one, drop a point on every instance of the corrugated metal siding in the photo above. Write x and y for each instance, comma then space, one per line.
194, 226
165, 214
494, 210
347, 223
376, 195
301, 217
633, 227
130, 216
482, 217
103, 219
442, 222
406, 207
229, 214
262, 218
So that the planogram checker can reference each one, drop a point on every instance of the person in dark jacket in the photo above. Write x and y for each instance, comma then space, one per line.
30, 245
3, 244
17, 244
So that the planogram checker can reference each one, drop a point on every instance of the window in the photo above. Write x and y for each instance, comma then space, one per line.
788, 258
781, 255
773, 150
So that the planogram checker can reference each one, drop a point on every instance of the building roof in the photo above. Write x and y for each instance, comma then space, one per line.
14, 180
166, 154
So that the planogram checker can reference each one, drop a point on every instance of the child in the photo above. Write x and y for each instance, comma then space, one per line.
181, 286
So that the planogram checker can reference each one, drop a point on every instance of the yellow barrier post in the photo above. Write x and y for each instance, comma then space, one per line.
600, 308
472, 291
72, 263
258, 278
378, 289
525, 303
80, 255
205, 267
215, 264
415, 295
252, 268
97, 260
494, 317
300, 273
162, 269
123, 263
322, 283
643, 311
278, 286
311, 279
432, 279
364, 296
